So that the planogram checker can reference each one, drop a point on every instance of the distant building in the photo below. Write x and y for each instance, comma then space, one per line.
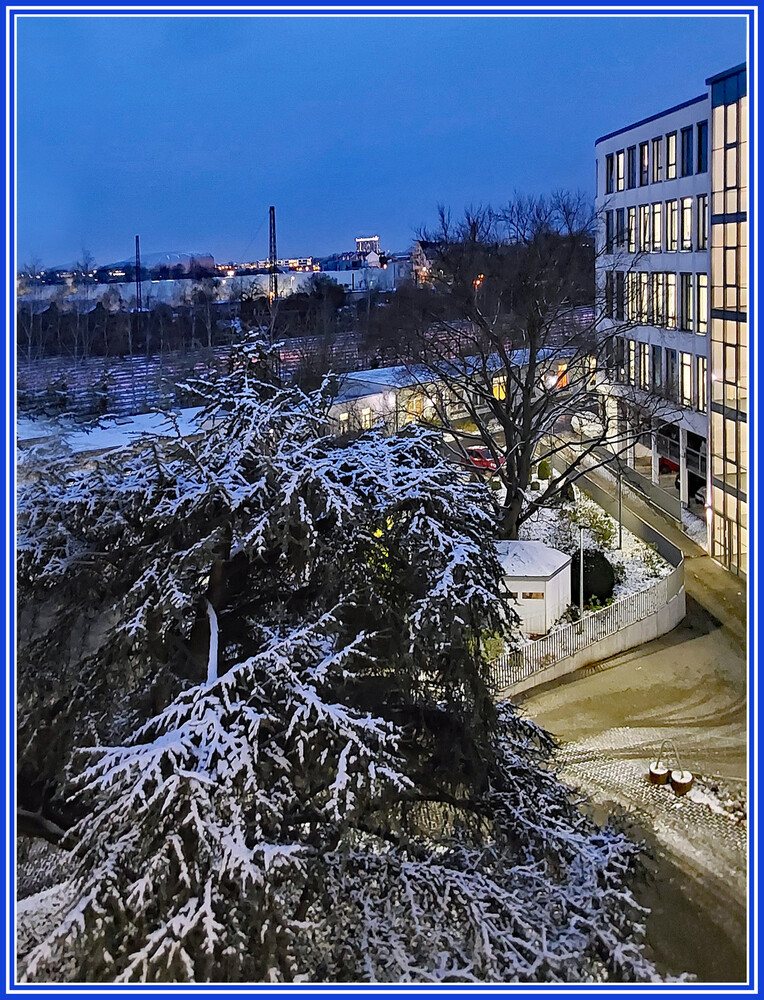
367, 244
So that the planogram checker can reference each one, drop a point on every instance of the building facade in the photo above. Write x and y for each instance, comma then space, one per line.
728, 511
653, 188
671, 263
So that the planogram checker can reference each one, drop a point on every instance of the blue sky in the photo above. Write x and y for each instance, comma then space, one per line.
185, 130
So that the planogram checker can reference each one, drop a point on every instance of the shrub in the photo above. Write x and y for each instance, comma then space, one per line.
599, 576
545, 469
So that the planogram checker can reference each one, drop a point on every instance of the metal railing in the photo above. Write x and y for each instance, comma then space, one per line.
516, 666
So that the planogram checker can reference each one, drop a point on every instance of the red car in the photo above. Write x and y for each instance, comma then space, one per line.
481, 458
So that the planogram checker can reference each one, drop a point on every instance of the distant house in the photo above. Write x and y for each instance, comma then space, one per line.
537, 579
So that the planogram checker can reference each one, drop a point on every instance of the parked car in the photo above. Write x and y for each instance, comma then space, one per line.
666, 465
481, 458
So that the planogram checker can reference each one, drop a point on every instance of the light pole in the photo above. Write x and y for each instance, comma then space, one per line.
581, 573
620, 509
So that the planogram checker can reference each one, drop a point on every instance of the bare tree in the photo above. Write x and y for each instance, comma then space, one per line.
522, 343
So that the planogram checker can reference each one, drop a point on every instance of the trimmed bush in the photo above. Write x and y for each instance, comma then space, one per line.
545, 469
599, 577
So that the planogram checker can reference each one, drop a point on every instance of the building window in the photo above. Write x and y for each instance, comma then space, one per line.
671, 301
686, 151
366, 417
620, 227
644, 163
415, 407
645, 243
685, 294
657, 160
631, 219
671, 156
619, 295
702, 147
655, 367
500, 387
562, 376
644, 366
608, 232
672, 224
609, 174
685, 380
619, 170
686, 243
659, 299
657, 227
632, 371
702, 387
344, 422
702, 225
702, 326
533, 595
631, 167
609, 294
672, 381
631, 297
644, 298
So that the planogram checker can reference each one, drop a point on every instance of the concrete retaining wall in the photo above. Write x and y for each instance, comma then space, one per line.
664, 620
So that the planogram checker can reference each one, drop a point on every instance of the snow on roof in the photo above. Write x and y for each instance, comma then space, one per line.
110, 434
531, 559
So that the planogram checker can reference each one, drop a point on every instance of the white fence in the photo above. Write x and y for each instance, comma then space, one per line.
520, 664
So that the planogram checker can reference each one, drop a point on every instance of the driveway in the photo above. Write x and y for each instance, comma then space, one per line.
689, 686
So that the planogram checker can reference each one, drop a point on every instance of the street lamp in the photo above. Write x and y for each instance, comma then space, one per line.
581, 573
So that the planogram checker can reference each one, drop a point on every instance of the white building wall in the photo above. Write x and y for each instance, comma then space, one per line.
677, 262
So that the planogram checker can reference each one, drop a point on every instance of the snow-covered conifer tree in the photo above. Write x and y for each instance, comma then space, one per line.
271, 657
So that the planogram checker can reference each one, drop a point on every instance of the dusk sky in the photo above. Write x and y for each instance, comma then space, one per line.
185, 130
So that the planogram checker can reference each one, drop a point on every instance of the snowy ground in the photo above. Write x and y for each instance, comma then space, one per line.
695, 528
637, 564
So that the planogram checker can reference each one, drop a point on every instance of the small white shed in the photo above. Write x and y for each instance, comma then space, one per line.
537, 578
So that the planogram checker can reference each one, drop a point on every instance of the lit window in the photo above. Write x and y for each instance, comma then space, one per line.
533, 595
672, 225
686, 379
702, 387
671, 301
671, 156
344, 421
644, 365
645, 244
562, 376
366, 417
657, 227
632, 227
415, 406
619, 170
659, 299
500, 387
702, 326
686, 224
702, 222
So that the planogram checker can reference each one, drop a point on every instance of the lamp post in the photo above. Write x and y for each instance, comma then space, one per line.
620, 509
581, 573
